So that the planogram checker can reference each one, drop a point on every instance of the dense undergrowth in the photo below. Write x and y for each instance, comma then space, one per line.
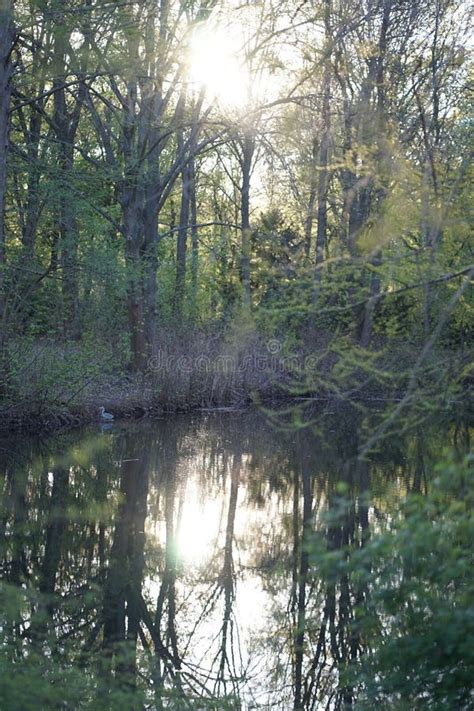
54, 383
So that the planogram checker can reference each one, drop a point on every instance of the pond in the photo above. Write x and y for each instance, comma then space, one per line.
165, 564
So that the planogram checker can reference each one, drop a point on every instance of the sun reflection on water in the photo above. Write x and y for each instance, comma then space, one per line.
198, 529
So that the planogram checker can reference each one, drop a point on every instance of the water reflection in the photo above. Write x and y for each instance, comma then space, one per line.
165, 564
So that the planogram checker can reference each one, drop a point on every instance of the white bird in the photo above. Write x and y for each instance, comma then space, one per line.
105, 415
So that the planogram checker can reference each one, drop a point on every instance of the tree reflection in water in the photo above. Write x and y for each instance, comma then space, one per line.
175, 564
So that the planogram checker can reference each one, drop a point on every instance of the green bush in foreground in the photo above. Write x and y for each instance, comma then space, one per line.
418, 625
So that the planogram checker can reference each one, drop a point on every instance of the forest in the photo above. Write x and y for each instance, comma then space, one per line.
279, 185
236, 355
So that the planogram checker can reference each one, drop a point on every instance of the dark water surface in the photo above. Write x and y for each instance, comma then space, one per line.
160, 564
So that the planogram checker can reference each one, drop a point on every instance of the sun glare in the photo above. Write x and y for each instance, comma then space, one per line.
198, 529
215, 64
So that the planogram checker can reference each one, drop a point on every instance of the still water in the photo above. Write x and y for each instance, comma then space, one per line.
161, 564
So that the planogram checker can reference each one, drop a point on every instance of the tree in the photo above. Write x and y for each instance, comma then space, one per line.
7, 39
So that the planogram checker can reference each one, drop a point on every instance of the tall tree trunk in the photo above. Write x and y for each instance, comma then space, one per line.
356, 190
321, 235
32, 139
432, 133
153, 101
149, 280
132, 224
66, 123
141, 189
313, 188
181, 246
248, 149
150, 231
135, 305
194, 241
381, 159
132, 203
181, 243
69, 239
6, 69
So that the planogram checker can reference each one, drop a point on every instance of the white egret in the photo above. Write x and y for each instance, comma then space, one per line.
105, 415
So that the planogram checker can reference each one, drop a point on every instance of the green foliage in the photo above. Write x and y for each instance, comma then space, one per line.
416, 624
46, 373
391, 231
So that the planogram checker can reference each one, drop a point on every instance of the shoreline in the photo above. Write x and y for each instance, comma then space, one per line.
60, 419
54, 420
177, 392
